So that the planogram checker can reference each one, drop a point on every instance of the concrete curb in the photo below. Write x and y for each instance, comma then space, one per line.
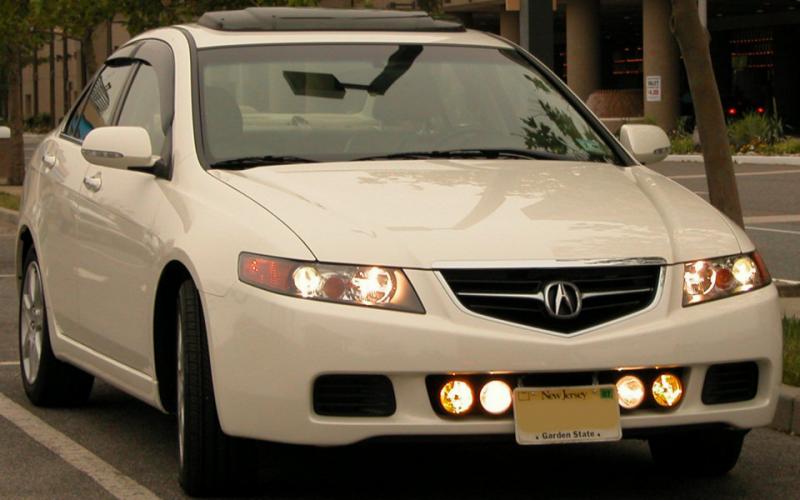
10, 216
787, 416
793, 161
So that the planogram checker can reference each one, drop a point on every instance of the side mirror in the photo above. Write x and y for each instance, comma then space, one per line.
5, 133
647, 143
119, 147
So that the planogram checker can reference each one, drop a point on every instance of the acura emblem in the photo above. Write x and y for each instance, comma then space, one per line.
562, 299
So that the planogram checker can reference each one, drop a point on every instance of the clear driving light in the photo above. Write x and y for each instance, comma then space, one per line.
496, 397
456, 397
359, 285
667, 390
307, 280
630, 391
705, 280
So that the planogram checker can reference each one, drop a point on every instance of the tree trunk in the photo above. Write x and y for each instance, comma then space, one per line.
693, 40
17, 168
52, 79
87, 51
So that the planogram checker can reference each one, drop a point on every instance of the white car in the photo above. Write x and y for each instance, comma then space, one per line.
321, 227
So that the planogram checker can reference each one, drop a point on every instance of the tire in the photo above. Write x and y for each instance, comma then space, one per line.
210, 462
47, 381
699, 453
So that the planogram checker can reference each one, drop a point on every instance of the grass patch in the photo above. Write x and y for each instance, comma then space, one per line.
9, 201
791, 351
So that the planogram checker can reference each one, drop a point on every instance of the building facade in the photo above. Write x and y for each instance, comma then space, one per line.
621, 57
618, 55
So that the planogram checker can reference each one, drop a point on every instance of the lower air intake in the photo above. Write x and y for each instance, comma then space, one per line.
354, 396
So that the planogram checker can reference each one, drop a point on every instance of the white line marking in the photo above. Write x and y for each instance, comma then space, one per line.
771, 219
8, 275
738, 174
769, 229
111, 479
9, 363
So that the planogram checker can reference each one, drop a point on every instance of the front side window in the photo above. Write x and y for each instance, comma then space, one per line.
99, 104
142, 107
349, 102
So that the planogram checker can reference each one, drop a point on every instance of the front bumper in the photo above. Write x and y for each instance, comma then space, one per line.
267, 350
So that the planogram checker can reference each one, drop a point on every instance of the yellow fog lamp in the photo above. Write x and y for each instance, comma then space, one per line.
456, 397
667, 390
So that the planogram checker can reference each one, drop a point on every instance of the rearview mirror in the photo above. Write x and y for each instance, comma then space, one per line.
5, 133
119, 147
647, 143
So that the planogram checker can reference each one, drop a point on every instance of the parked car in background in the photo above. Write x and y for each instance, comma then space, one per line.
325, 226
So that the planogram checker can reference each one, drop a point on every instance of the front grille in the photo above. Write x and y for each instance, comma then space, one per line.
730, 383
354, 396
517, 295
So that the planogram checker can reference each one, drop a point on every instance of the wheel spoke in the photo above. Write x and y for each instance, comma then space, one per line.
31, 327
33, 277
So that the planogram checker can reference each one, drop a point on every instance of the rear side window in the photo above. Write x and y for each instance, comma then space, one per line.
99, 104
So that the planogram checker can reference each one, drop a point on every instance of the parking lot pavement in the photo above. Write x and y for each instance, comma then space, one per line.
117, 446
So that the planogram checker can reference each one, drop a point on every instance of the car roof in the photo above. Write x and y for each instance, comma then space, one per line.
315, 19
207, 38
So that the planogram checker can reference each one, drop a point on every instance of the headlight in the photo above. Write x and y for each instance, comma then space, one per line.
373, 286
705, 280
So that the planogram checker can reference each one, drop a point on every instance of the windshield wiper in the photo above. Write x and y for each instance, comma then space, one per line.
490, 153
258, 161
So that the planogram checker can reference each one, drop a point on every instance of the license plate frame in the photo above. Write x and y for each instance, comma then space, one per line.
557, 415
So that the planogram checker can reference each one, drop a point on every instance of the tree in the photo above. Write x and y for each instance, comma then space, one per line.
20, 26
143, 15
79, 19
693, 40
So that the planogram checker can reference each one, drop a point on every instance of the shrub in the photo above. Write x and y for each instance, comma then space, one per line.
38, 123
790, 146
791, 351
682, 144
754, 131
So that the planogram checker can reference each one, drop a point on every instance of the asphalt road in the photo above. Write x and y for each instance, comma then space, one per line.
130, 448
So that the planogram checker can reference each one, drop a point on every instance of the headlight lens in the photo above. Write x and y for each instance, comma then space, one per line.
705, 280
359, 285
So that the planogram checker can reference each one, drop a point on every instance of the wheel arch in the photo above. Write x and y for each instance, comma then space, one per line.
172, 276
24, 245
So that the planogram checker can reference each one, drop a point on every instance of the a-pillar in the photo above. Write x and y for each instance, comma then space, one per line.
583, 47
661, 64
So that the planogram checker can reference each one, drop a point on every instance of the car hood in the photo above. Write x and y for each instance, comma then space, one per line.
425, 213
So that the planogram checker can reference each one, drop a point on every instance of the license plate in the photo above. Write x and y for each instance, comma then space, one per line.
566, 415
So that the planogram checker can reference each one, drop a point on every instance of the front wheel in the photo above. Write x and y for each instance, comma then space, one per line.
47, 381
210, 461
699, 453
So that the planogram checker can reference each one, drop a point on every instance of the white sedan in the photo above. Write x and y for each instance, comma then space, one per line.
326, 227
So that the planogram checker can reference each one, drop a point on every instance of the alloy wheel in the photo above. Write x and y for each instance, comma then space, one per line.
31, 323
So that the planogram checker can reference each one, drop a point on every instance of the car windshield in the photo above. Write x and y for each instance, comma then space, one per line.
279, 104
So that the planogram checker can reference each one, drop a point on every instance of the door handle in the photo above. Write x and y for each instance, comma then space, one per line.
93, 183
49, 161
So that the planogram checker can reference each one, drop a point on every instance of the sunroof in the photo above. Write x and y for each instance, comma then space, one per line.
318, 19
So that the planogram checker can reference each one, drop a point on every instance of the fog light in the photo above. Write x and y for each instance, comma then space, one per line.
667, 390
456, 397
630, 391
496, 397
